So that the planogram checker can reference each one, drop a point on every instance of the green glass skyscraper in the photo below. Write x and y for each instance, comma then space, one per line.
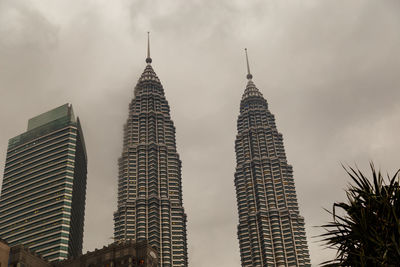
42, 203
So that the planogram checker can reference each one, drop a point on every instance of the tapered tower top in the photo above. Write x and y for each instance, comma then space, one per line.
251, 89
148, 59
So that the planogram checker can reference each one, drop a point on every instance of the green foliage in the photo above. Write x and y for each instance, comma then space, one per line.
368, 232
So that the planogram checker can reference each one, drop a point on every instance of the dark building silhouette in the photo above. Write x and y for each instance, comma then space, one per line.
21, 256
270, 231
4, 253
42, 203
150, 203
123, 254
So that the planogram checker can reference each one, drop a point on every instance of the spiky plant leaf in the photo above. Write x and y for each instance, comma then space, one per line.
368, 232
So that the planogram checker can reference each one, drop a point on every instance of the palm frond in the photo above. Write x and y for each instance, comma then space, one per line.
365, 230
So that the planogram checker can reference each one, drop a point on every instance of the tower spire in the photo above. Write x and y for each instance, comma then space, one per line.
249, 76
148, 59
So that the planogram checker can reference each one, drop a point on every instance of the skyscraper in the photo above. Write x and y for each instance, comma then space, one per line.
270, 231
150, 185
42, 203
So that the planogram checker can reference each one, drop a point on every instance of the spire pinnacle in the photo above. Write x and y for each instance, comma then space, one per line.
249, 76
148, 59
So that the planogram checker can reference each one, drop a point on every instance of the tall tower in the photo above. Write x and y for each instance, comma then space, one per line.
271, 230
150, 185
42, 204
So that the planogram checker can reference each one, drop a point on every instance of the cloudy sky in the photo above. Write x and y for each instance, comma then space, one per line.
329, 70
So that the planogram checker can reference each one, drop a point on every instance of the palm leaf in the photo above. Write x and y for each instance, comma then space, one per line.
367, 231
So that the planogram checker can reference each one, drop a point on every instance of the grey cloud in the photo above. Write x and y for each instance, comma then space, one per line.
328, 70
22, 25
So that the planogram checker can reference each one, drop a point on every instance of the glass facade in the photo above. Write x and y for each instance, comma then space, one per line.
270, 231
42, 199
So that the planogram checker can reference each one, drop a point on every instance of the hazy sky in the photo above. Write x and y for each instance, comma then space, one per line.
329, 69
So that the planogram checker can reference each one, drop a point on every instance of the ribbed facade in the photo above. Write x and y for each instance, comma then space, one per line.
42, 201
149, 186
270, 231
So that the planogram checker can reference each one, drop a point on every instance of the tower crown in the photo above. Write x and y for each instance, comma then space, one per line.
251, 89
149, 74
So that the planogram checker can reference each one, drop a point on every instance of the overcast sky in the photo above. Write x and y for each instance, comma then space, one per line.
330, 71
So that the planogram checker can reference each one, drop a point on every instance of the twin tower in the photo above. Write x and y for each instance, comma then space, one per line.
150, 207
270, 231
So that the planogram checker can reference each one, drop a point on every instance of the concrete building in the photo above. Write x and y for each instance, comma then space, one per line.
270, 231
4, 253
21, 256
42, 202
123, 254
150, 205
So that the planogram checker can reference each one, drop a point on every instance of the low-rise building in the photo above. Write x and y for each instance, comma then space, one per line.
121, 254
21, 256
4, 253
